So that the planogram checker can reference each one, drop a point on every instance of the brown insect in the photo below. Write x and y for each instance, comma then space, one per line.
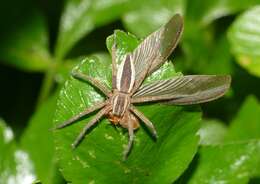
127, 88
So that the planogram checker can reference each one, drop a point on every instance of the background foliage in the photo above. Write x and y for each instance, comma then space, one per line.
41, 41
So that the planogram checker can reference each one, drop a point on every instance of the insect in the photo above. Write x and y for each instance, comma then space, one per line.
127, 87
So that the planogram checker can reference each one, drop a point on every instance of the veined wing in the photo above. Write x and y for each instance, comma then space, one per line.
155, 49
190, 89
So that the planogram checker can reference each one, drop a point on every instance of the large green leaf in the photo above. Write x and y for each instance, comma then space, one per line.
235, 158
244, 36
99, 157
229, 163
37, 140
25, 46
150, 15
246, 125
15, 164
212, 132
81, 16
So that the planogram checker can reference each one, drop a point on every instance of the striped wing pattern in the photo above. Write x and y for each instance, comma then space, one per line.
155, 49
145, 53
169, 37
190, 89
143, 56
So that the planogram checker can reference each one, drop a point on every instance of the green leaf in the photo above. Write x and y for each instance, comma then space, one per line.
212, 10
220, 59
64, 70
125, 42
99, 157
150, 15
37, 140
212, 132
205, 54
82, 16
15, 164
244, 36
26, 45
246, 125
230, 163
236, 157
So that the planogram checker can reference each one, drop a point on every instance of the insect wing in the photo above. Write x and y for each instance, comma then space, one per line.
190, 89
155, 49
169, 38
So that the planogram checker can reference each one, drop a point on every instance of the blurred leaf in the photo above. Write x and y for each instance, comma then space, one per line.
206, 54
15, 165
229, 163
37, 140
212, 132
99, 157
244, 36
26, 45
236, 158
246, 125
81, 16
151, 14
212, 10
197, 44
220, 59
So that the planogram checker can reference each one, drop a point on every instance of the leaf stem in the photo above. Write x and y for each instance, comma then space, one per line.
47, 85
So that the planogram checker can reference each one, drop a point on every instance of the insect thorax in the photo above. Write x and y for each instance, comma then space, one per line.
120, 103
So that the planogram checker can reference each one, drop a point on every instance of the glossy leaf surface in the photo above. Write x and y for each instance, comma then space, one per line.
228, 163
244, 36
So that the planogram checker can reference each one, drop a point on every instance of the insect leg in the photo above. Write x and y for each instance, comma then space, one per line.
146, 121
92, 81
131, 139
80, 115
89, 125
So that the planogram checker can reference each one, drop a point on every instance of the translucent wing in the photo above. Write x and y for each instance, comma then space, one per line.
190, 89
155, 49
